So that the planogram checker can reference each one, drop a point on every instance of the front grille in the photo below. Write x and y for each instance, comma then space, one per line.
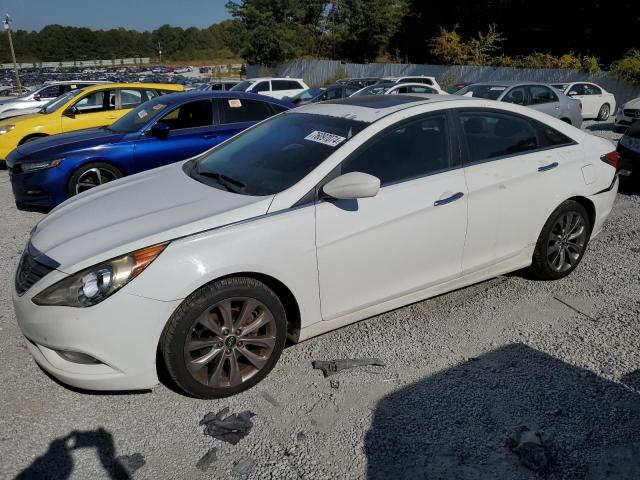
29, 272
633, 113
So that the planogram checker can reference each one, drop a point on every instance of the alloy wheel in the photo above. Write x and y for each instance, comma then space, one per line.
566, 241
230, 342
92, 178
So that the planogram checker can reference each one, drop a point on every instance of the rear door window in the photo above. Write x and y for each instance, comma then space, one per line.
539, 94
262, 87
98, 101
285, 85
491, 135
235, 110
517, 95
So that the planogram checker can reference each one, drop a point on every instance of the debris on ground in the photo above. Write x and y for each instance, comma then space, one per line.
331, 367
528, 445
243, 466
269, 398
301, 436
334, 384
231, 428
207, 460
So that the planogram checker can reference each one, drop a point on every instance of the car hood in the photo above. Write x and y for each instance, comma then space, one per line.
64, 142
635, 103
135, 212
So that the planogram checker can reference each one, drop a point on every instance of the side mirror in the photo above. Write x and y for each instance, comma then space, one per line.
160, 130
572, 93
351, 186
71, 112
37, 98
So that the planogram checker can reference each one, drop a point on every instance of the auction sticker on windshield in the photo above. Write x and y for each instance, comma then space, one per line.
235, 103
142, 113
325, 138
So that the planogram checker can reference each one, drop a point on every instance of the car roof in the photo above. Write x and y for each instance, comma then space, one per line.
74, 82
168, 86
370, 108
509, 83
207, 94
256, 79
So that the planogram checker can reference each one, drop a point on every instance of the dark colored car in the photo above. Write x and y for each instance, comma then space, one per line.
629, 149
164, 130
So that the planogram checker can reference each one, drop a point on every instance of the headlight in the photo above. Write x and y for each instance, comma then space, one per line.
92, 285
6, 129
631, 143
32, 167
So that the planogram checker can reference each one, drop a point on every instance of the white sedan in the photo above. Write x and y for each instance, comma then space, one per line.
597, 103
394, 88
311, 220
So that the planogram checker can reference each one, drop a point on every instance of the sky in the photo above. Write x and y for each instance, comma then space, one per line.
104, 14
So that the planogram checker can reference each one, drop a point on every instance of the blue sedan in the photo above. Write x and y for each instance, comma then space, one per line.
164, 130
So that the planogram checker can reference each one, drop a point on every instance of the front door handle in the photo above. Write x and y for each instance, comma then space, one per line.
452, 198
551, 166
209, 135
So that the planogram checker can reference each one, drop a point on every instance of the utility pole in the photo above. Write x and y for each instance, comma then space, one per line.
7, 27
159, 51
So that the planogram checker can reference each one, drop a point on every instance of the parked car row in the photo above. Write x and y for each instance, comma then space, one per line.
314, 218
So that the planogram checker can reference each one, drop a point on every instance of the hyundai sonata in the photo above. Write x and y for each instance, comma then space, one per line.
310, 220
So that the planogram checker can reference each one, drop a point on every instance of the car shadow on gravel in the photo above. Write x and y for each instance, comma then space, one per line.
57, 462
603, 127
454, 424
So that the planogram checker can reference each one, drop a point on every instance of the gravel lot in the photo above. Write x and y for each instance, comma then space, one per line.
462, 372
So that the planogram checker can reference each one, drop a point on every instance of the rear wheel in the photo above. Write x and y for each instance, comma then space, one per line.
605, 111
562, 242
224, 338
92, 175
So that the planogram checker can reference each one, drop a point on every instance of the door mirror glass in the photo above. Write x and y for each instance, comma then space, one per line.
71, 112
351, 186
160, 130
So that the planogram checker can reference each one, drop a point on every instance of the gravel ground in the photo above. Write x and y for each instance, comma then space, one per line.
463, 371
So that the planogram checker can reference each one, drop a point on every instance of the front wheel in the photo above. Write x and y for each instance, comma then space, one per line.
224, 338
562, 242
92, 175
603, 114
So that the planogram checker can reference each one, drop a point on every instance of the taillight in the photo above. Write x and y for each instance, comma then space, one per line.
612, 158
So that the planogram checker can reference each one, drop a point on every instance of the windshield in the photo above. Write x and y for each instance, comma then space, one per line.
492, 92
55, 104
139, 116
276, 154
377, 89
242, 86
306, 94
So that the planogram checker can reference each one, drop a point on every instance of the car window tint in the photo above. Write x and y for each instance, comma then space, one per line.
348, 91
333, 93
410, 150
491, 135
592, 90
539, 94
578, 89
262, 87
190, 115
235, 110
285, 85
516, 95
50, 92
551, 137
99, 101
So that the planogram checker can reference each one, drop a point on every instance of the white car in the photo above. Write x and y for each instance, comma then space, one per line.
309, 221
35, 99
272, 87
414, 79
627, 114
392, 88
597, 103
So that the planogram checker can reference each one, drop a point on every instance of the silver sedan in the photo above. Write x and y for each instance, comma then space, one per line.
539, 96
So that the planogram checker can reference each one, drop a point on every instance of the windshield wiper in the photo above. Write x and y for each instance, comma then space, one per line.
231, 184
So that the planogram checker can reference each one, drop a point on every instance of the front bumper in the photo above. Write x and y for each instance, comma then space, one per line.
121, 333
42, 188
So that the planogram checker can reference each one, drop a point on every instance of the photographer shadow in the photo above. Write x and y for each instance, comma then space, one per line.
57, 462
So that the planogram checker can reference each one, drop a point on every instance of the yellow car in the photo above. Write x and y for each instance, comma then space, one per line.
94, 106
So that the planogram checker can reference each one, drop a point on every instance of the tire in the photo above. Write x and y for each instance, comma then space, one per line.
556, 238
91, 175
604, 112
200, 353
31, 139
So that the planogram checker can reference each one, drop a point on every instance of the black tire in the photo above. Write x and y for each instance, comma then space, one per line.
31, 139
110, 173
542, 266
182, 324
604, 113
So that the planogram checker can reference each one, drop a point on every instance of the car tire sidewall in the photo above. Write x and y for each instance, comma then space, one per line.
79, 171
541, 267
175, 334
601, 113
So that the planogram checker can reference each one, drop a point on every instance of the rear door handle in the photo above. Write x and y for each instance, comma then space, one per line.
452, 198
551, 166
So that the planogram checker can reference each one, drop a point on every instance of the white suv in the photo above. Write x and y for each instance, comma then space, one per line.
35, 99
272, 87
431, 81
